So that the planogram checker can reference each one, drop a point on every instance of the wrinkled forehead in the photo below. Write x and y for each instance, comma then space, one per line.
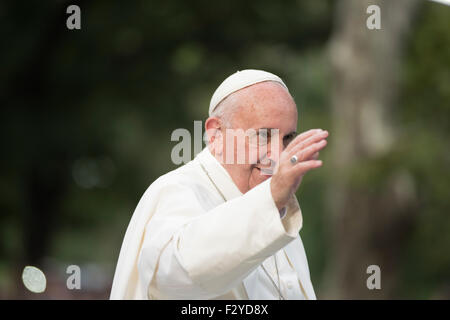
265, 105
262, 90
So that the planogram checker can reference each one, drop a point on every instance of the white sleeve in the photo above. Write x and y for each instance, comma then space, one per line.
210, 253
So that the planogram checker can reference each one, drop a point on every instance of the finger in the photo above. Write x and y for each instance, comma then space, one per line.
302, 137
309, 141
315, 156
304, 166
306, 153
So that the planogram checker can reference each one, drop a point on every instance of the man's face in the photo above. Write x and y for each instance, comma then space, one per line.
262, 127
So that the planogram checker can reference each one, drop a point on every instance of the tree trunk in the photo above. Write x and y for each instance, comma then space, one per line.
369, 218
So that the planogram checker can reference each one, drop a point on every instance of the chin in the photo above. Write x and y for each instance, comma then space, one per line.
257, 178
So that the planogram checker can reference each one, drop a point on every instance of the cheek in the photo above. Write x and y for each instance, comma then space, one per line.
256, 154
253, 154
256, 178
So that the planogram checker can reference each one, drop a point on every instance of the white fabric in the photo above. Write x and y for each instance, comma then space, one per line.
184, 242
238, 81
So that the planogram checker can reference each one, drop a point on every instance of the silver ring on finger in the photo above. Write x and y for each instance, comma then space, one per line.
294, 159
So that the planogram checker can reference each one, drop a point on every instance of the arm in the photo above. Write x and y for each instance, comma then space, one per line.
210, 253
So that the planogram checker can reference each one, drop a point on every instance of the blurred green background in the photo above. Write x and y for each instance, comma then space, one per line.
87, 115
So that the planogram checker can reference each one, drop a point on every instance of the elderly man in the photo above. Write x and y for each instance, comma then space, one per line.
221, 229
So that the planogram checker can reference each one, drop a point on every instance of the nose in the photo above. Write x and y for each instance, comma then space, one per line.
272, 155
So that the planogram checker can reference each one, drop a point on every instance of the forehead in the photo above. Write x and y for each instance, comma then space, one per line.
266, 105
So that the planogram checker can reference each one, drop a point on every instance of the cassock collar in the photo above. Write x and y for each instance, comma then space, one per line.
218, 174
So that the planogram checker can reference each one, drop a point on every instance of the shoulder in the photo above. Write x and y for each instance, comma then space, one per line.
186, 177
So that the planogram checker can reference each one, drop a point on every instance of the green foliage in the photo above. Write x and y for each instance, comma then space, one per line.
87, 115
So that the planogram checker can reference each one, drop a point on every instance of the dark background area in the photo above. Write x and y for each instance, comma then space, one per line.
86, 119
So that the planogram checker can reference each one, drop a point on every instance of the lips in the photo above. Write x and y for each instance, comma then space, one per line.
265, 171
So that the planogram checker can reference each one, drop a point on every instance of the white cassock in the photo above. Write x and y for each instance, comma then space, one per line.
185, 242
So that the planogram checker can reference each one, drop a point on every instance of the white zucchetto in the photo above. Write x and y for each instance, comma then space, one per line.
240, 80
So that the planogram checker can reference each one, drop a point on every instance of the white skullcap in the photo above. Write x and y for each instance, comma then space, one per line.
240, 80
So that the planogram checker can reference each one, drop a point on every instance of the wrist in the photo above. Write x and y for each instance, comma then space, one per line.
279, 200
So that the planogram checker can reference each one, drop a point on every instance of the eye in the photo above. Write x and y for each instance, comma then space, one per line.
288, 139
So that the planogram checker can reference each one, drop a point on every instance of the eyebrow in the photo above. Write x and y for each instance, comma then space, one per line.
290, 134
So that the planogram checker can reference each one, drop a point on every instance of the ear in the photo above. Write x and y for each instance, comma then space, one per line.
214, 134
212, 128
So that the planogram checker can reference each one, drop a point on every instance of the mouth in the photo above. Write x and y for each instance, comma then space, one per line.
265, 171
